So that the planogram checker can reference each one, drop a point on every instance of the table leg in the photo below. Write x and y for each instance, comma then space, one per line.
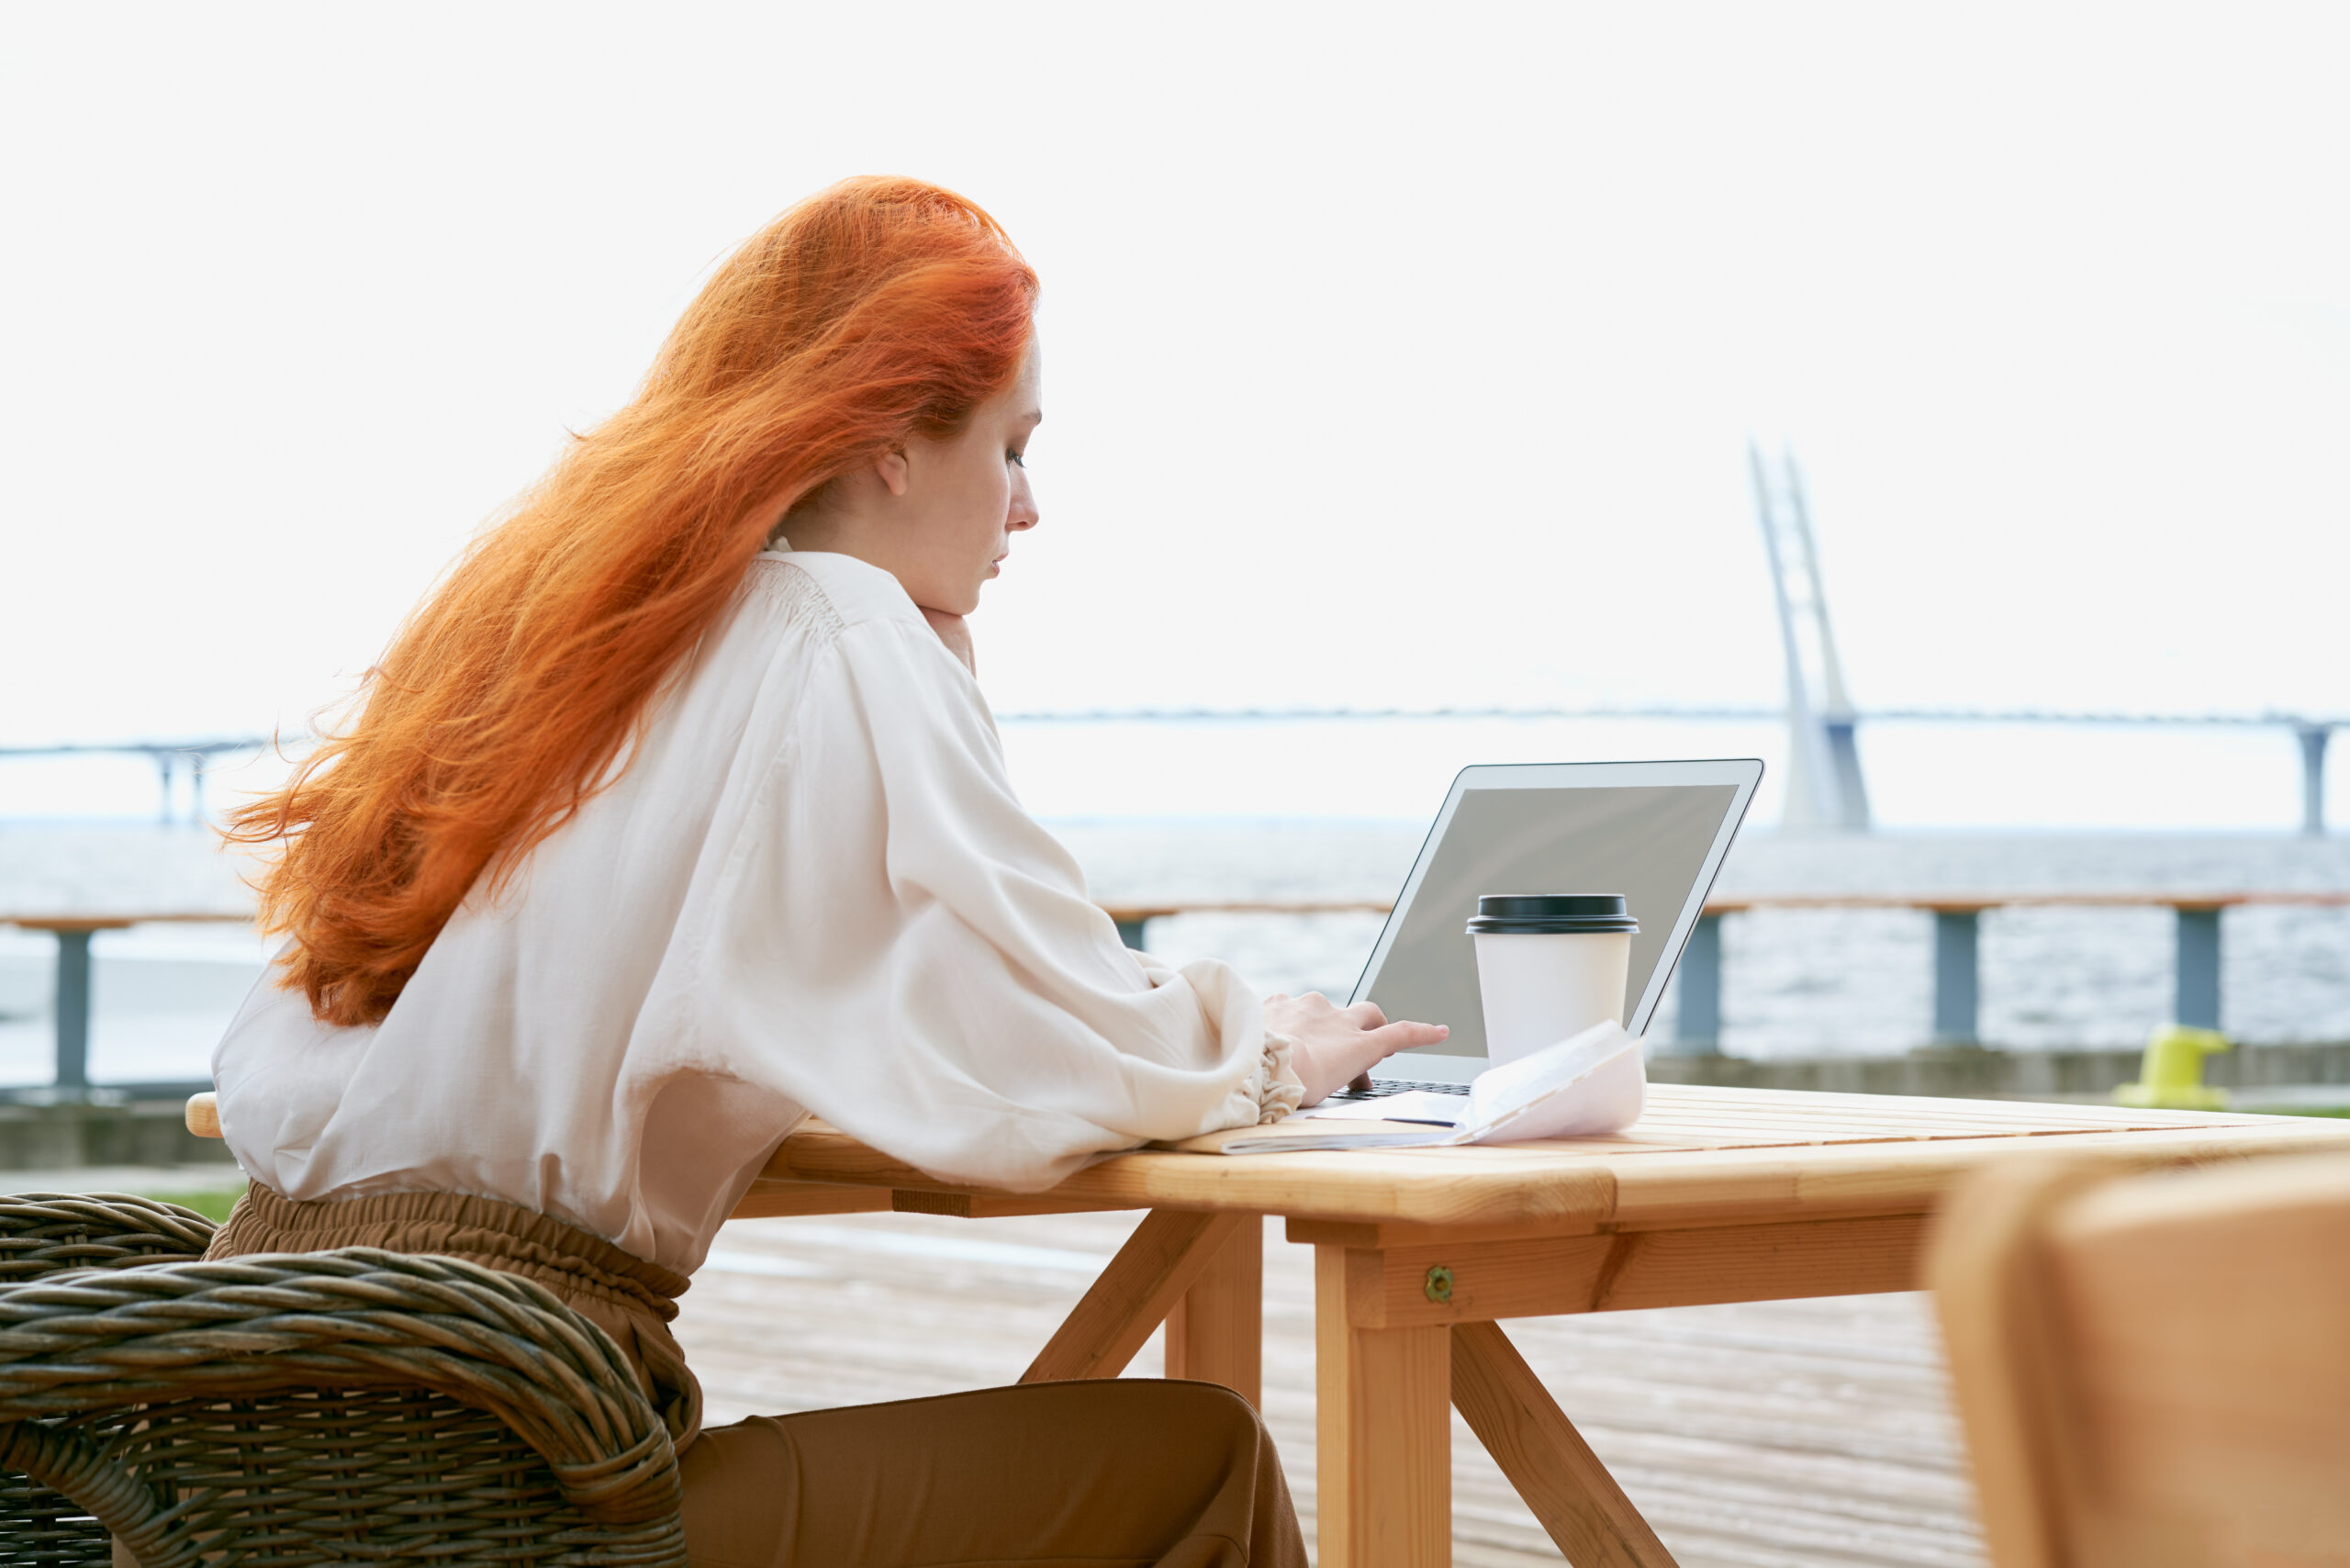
1383, 1428
1166, 1253
1216, 1331
1593, 1524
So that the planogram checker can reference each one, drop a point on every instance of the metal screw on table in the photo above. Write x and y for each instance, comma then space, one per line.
1438, 1287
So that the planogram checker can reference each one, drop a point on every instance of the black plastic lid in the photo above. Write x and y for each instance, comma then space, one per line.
1540, 914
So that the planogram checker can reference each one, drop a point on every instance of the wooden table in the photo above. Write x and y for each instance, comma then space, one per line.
1717, 1195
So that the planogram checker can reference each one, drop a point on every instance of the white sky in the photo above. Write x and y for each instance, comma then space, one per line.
1395, 356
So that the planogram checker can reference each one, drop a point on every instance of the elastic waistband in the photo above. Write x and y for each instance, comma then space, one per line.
488, 1231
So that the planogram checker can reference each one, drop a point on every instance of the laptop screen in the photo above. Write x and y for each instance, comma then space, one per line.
1648, 842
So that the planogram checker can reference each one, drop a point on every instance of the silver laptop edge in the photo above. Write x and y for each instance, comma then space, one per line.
1741, 774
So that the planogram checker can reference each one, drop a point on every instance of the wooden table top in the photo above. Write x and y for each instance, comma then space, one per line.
1700, 1156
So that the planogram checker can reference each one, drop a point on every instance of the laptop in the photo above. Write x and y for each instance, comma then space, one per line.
1655, 832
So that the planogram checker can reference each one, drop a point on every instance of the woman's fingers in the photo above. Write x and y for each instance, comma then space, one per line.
1404, 1036
1372, 1046
1330, 1045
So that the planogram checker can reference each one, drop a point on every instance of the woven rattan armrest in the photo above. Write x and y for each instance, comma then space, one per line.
43, 1233
46, 1234
88, 1356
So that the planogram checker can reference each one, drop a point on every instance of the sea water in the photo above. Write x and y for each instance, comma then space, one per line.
1806, 982
1795, 983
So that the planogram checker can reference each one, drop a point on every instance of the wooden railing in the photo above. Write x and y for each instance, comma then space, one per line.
1957, 964
1957, 958
70, 1078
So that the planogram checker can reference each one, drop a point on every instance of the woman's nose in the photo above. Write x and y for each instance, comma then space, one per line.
1024, 514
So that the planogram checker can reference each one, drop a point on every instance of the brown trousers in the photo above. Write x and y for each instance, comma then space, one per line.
1081, 1474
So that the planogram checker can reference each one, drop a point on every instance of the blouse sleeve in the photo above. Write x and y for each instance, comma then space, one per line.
898, 947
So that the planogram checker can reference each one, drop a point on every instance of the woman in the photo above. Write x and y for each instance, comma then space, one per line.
674, 816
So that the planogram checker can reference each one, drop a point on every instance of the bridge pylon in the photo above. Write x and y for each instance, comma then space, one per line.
1825, 790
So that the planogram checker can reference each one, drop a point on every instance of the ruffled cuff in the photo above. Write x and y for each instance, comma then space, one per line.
1278, 1089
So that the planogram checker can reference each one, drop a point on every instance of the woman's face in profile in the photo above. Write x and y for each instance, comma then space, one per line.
965, 498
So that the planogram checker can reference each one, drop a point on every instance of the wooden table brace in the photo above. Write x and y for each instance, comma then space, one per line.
1554, 1470
1169, 1253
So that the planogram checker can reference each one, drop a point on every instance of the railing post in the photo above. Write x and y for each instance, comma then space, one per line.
1957, 977
2198, 968
1697, 1031
72, 1009
1130, 933
2313, 738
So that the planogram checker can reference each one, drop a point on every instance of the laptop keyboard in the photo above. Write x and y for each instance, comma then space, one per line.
1381, 1088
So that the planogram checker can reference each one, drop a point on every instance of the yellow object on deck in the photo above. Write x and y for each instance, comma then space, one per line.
2171, 1076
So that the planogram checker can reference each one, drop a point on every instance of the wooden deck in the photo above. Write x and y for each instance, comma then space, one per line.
1770, 1434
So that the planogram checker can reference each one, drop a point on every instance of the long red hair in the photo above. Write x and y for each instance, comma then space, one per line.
876, 311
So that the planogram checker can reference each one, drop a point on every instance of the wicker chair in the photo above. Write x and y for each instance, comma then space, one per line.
349, 1407
46, 1233
41, 1233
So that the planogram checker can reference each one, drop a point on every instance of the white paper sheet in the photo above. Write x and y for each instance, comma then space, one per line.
1586, 1086
1411, 1105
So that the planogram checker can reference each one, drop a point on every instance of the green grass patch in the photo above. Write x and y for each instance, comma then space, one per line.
213, 1202
2300, 1110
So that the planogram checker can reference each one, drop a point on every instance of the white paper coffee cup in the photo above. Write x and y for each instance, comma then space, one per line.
1550, 965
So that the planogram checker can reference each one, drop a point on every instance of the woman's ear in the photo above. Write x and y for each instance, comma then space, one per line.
892, 471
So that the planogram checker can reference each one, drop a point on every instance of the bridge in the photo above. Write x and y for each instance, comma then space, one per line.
167, 756
1825, 787
1845, 809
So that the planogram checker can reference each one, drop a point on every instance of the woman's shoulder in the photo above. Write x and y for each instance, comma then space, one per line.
806, 616
830, 592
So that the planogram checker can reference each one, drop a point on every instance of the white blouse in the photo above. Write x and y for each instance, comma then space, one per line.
811, 888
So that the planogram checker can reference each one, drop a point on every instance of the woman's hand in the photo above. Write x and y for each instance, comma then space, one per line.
1331, 1046
956, 632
